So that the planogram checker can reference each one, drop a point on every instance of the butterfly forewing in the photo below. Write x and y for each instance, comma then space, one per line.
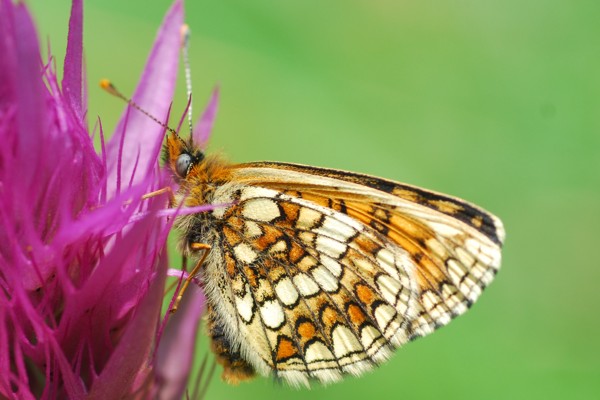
321, 273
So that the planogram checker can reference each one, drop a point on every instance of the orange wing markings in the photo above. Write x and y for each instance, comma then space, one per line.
320, 235
268, 238
256, 173
290, 346
331, 306
408, 233
403, 230
410, 236
285, 349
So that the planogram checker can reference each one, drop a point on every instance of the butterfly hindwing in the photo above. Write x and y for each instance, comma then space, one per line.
324, 292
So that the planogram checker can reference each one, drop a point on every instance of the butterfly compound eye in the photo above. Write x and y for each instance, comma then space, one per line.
183, 163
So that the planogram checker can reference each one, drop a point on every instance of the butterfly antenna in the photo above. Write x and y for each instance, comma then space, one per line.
110, 88
185, 47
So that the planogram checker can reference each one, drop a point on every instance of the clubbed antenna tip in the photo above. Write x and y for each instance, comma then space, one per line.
110, 88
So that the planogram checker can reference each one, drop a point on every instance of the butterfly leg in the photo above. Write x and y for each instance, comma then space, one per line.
195, 247
166, 189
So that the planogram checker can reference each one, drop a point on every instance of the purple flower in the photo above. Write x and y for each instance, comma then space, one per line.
82, 257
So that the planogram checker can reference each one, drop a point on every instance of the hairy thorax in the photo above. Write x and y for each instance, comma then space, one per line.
201, 187
209, 183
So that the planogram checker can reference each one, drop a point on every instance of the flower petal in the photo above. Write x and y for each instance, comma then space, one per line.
134, 348
8, 61
176, 350
154, 94
20, 87
72, 83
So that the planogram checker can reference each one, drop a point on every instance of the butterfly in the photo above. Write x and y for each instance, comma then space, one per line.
312, 274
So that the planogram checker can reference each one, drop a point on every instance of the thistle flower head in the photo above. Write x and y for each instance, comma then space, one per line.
82, 258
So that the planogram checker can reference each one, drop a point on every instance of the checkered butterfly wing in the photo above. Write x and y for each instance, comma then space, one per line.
331, 270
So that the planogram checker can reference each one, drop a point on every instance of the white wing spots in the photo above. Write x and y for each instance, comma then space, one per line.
474, 247
333, 266
438, 248
244, 305
385, 259
278, 247
444, 229
389, 288
384, 314
344, 341
467, 284
306, 263
429, 300
451, 300
307, 237
222, 195
471, 289
244, 253
263, 210
486, 259
331, 247
393, 329
333, 228
317, 351
464, 257
395, 265
307, 218
263, 291
407, 278
436, 308
368, 335
251, 192
404, 303
488, 255
325, 279
286, 292
478, 271
272, 314
305, 285
253, 229
442, 317
364, 265
399, 338
455, 270
487, 277
218, 212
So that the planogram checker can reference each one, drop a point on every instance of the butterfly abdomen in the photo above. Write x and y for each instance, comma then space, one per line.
235, 368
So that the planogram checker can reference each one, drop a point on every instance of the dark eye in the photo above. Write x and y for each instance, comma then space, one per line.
183, 163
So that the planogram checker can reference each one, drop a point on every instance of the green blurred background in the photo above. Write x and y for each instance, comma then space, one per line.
495, 102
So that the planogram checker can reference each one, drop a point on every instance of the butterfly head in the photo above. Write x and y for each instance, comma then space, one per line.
181, 156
